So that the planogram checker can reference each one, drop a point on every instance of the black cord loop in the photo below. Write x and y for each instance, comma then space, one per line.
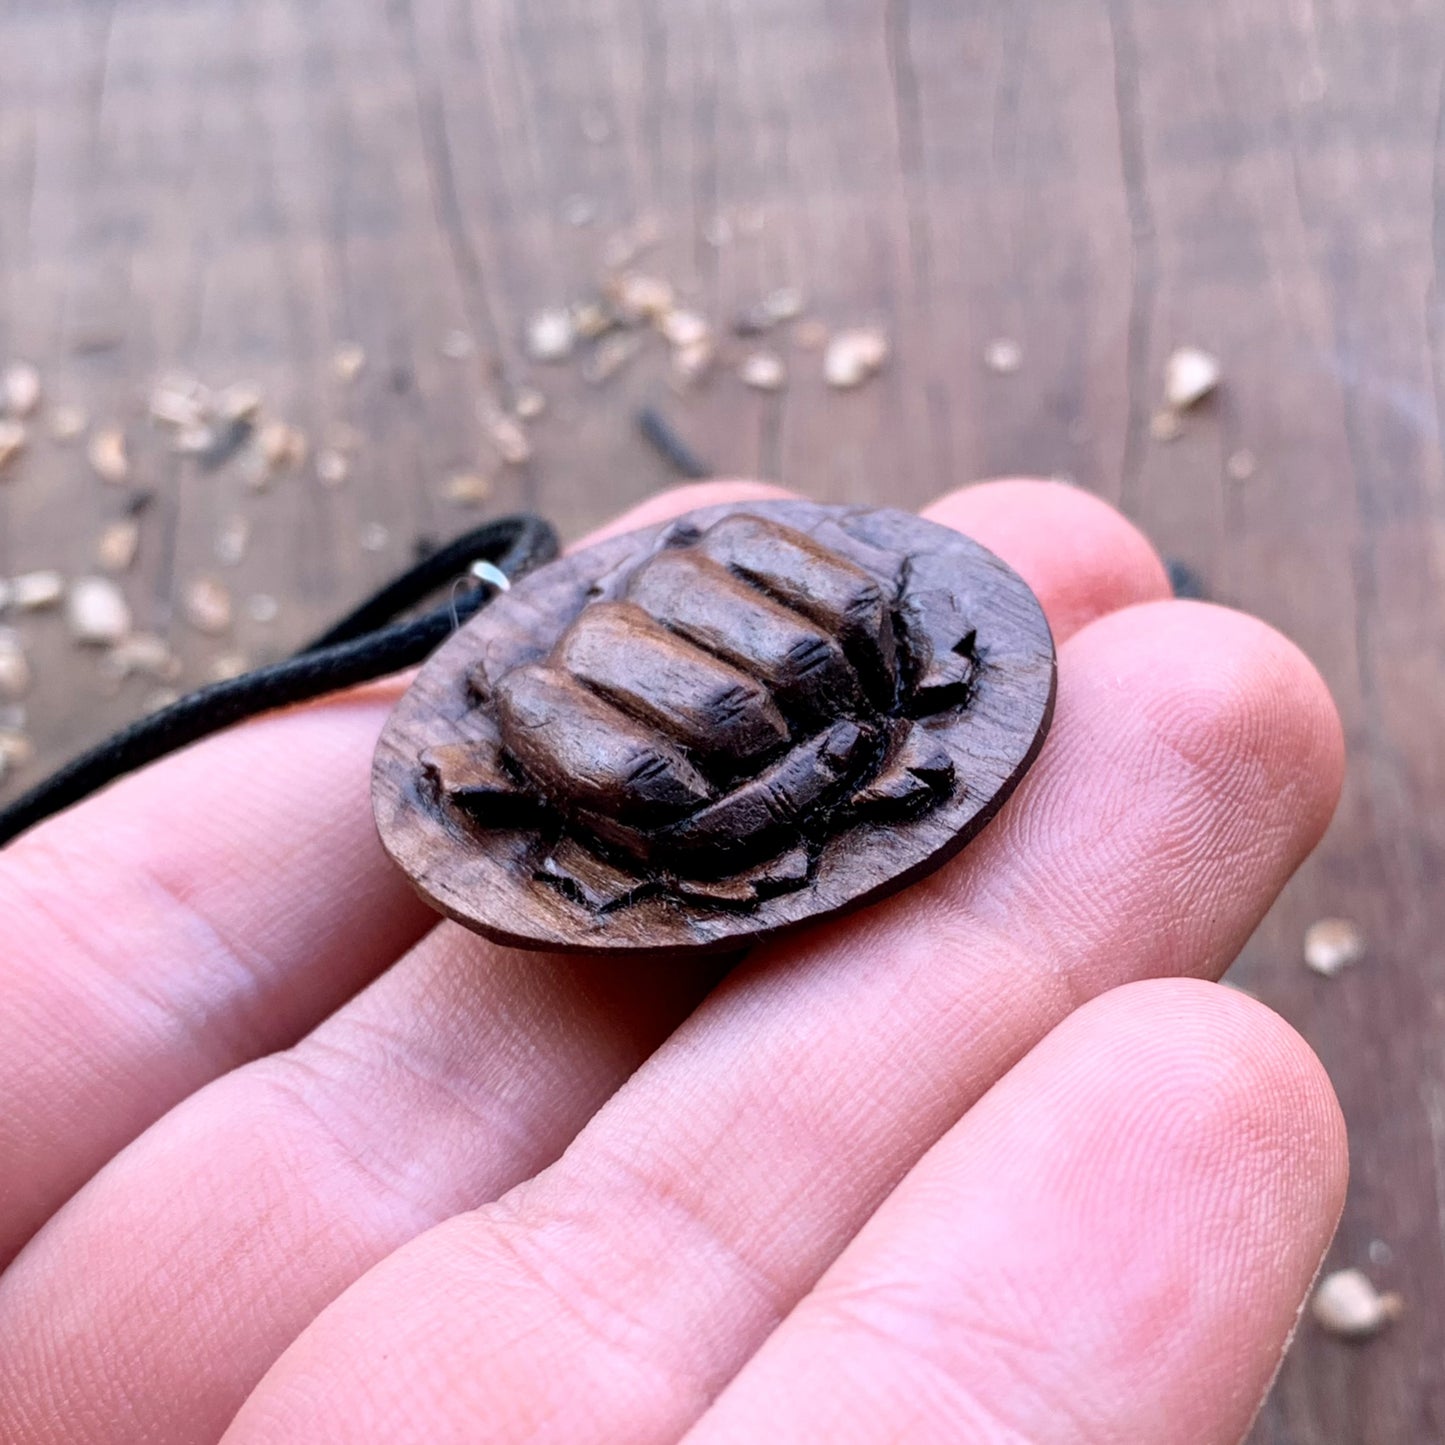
366, 644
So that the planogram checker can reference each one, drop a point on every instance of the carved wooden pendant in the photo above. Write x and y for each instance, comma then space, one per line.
698, 734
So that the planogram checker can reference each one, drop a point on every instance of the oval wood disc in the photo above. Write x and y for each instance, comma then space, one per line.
692, 736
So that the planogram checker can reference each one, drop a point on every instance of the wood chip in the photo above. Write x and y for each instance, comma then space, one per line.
282, 445
207, 605
332, 468
764, 371
551, 335
854, 356
1332, 945
1165, 426
511, 441
468, 489
262, 608
1003, 356
1241, 466
786, 303
1190, 375
692, 364
592, 319
119, 542
375, 537
97, 612
34, 591
13, 438
107, 456
347, 362
639, 297
19, 389
179, 402
142, 654
530, 403
15, 674
1347, 1304
683, 328
194, 441
608, 357
68, 423
233, 539
240, 402
458, 346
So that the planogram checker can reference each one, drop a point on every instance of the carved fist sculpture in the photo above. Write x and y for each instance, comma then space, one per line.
710, 730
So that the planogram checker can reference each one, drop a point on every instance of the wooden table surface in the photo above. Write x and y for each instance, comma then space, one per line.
236, 188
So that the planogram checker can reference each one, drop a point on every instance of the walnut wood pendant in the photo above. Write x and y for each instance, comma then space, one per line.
693, 736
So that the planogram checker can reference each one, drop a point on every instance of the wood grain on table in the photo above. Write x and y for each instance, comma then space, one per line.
235, 190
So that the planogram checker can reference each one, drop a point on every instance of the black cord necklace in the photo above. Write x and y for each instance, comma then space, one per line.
366, 644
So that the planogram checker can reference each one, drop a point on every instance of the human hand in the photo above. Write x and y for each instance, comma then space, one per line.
290, 1160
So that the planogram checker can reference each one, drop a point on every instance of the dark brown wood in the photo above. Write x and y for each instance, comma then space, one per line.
696, 735
234, 187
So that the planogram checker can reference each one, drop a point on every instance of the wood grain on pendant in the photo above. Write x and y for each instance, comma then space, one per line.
693, 736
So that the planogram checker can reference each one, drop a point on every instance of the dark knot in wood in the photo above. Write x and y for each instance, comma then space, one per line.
657, 742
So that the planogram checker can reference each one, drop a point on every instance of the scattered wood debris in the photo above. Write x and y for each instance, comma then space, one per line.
1190, 375
97, 612
207, 605
119, 542
639, 298
1347, 1304
468, 489
280, 445
1003, 356
763, 371
142, 654
15, 676
19, 389
682, 328
68, 423
13, 438
347, 362
854, 356
239, 402
691, 365
591, 319
179, 402
1332, 945
107, 456
34, 591
551, 335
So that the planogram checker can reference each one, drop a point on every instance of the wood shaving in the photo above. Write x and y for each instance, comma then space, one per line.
262, 608
179, 402
96, 612
107, 456
684, 328
375, 537
608, 357
1003, 356
854, 356
1241, 465
207, 605
282, 445
551, 335
34, 591
468, 489
142, 654
458, 346
1165, 426
692, 364
1332, 945
1347, 1304
1190, 375
786, 303
13, 438
347, 362
530, 403
233, 539
15, 676
332, 468
510, 440
67, 423
763, 371
119, 542
19, 389
592, 319
638, 297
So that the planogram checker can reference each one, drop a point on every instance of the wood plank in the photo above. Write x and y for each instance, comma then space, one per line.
235, 189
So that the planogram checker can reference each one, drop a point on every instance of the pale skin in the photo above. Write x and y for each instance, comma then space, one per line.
281, 1159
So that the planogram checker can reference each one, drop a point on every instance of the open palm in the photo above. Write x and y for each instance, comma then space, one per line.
280, 1160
